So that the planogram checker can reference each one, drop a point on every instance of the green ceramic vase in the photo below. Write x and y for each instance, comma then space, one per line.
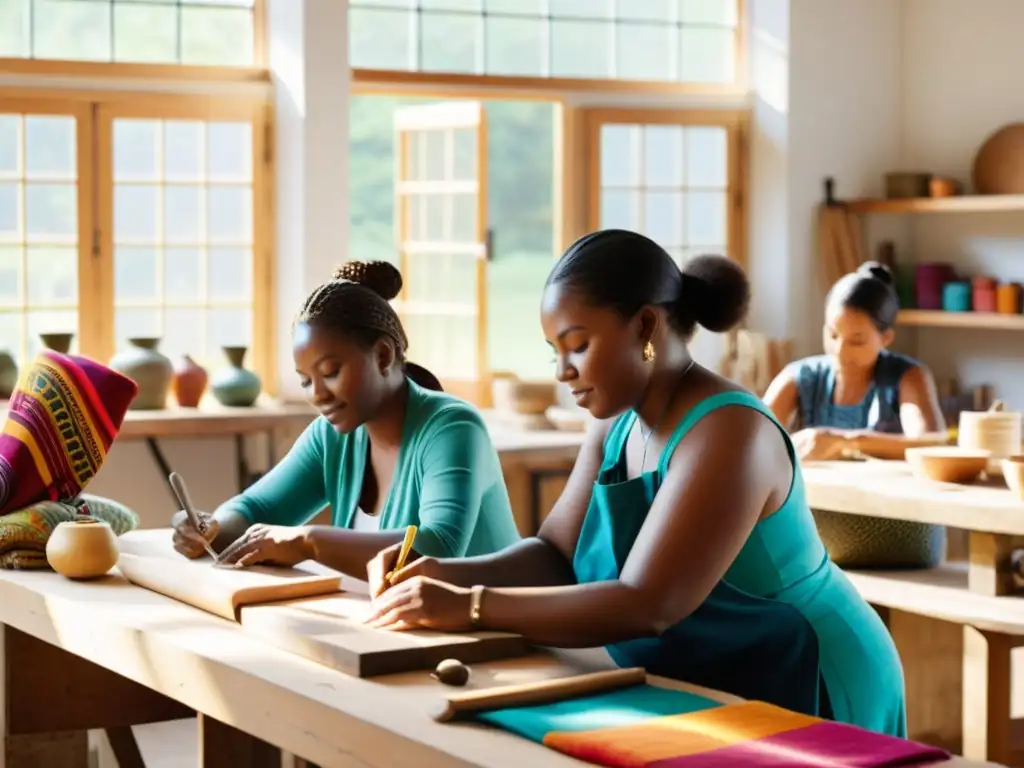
8, 375
235, 386
143, 364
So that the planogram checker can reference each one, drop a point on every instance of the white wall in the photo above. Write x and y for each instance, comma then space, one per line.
826, 103
961, 81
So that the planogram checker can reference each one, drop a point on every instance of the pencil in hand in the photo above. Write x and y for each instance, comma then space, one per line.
403, 553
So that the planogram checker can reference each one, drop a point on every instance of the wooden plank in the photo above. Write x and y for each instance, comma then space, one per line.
889, 489
329, 631
148, 559
989, 321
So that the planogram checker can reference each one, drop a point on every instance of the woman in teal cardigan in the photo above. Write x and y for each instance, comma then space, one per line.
389, 450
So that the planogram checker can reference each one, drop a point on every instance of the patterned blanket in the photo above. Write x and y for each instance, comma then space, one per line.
62, 419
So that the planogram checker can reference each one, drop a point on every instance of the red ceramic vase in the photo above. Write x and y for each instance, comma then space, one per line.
189, 382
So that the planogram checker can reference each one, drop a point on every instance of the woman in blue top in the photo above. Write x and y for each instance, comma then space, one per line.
388, 450
858, 396
683, 541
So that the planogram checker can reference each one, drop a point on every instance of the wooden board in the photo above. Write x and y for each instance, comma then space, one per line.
148, 559
328, 630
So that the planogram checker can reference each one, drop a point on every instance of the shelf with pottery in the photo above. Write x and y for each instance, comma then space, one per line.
951, 204
939, 318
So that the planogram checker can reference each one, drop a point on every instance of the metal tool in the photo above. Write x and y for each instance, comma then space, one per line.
186, 503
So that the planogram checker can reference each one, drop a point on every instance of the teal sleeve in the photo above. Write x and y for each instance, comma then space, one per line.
293, 491
458, 465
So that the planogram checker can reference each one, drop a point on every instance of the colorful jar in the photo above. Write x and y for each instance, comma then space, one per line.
234, 386
983, 294
189, 382
929, 280
143, 364
1008, 299
956, 297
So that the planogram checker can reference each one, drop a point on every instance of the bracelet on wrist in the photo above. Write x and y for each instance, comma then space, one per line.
476, 594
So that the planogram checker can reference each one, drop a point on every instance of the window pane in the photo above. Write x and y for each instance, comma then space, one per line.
11, 334
183, 281
183, 214
229, 214
186, 329
229, 274
216, 36
71, 29
724, 12
135, 213
228, 328
10, 276
707, 155
664, 11
10, 211
450, 42
183, 150
581, 49
136, 150
381, 39
519, 7
663, 215
645, 52
707, 55
229, 151
10, 145
663, 156
145, 33
136, 324
515, 46
620, 146
50, 147
470, 6
583, 9
51, 214
706, 218
162, 31
136, 273
52, 277
49, 321
620, 209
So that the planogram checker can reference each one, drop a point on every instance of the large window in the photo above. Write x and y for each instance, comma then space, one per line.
207, 32
682, 41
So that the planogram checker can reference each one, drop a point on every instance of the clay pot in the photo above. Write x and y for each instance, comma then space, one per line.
153, 372
58, 342
84, 548
189, 382
235, 386
8, 375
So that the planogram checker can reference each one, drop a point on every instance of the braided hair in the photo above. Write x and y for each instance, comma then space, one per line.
355, 302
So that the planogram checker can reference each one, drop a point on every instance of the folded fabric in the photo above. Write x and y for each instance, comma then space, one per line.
23, 534
62, 419
650, 727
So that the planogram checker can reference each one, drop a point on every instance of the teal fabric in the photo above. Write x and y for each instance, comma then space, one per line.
784, 625
448, 480
879, 410
606, 710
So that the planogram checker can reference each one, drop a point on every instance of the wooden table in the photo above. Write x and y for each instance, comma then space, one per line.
955, 635
108, 654
988, 510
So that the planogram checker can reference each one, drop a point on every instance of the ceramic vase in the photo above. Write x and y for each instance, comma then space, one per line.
235, 386
153, 372
58, 342
189, 382
8, 375
83, 548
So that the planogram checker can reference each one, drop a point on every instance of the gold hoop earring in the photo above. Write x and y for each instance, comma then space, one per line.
648, 352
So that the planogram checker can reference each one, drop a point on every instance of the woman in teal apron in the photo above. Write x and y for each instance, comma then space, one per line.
683, 542
858, 396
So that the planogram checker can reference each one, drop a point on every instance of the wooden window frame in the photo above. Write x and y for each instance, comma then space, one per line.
735, 122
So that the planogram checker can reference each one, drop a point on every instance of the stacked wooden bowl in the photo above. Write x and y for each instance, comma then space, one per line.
995, 430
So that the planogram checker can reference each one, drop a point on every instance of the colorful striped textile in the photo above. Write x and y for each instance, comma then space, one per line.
650, 727
62, 419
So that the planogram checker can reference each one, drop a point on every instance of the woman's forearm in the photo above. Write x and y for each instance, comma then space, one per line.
232, 525
531, 562
349, 551
888, 445
579, 616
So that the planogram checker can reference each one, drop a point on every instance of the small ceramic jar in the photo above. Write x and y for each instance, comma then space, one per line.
956, 297
983, 296
1008, 299
83, 548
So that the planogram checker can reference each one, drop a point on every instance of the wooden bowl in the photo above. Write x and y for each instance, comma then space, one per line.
948, 464
512, 394
1013, 473
568, 419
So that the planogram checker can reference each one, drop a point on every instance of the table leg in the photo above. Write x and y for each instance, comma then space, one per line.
162, 464
223, 746
990, 571
987, 724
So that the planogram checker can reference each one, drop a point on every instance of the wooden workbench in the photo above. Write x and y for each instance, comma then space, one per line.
954, 639
108, 654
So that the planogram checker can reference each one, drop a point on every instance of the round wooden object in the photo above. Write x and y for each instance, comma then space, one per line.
999, 164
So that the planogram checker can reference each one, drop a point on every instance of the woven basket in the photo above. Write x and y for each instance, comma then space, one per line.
857, 541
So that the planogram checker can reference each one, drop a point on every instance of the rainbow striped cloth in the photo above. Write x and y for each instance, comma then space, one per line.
650, 727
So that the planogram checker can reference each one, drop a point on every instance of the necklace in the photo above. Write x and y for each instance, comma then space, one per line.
647, 438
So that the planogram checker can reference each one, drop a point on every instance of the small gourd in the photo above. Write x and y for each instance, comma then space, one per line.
83, 548
451, 672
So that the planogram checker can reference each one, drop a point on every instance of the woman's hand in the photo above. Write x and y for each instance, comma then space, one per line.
817, 444
270, 544
187, 540
378, 569
422, 602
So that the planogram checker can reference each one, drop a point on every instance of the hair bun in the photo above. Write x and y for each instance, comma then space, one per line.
716, 292
381, 277
876, 270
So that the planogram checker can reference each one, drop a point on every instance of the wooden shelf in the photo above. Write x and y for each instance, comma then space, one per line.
957, 204
973, 320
